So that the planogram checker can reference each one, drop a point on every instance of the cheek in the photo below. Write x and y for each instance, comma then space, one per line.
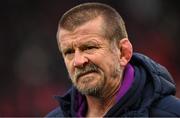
109, 64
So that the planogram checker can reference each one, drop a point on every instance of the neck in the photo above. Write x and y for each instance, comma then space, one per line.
98, 106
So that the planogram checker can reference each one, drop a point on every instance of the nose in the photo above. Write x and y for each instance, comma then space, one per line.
79, 60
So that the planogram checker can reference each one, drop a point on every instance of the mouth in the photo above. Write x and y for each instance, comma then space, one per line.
90, 72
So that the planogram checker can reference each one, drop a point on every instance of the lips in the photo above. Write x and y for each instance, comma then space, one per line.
89, 68
82, 74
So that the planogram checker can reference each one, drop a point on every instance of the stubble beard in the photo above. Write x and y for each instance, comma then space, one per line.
84, 86
90, 90
95, 90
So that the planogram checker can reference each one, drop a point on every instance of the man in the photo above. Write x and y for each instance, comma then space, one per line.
109, 80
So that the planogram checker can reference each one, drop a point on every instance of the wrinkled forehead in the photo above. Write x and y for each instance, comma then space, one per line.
81, 37
91, 27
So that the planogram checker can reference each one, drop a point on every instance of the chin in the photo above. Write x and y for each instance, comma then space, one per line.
94, 91
91, 87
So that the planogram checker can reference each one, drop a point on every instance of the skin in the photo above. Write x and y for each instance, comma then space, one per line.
86, 46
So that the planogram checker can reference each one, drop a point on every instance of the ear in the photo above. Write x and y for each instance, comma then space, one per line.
126, 51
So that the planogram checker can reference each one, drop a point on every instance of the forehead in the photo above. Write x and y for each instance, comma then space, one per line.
91, 28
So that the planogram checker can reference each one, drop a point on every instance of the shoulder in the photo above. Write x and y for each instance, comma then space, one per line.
55, 113
167, 106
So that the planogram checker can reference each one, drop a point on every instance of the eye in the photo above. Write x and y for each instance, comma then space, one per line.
68, 52
89, 47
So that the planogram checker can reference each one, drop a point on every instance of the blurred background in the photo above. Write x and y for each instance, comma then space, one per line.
32, 70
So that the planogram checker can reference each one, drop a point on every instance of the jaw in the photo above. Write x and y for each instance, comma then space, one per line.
89, 84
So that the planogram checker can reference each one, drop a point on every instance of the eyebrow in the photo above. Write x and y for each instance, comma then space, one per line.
91, 42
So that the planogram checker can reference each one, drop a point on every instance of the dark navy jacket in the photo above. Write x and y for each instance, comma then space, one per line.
151, 94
